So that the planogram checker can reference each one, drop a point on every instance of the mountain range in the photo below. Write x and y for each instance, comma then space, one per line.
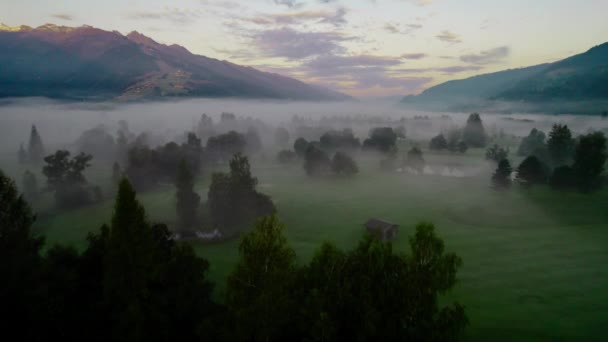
90, 63
582, 78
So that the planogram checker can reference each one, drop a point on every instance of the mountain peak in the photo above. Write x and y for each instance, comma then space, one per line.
142, 39
55, 28
19, 28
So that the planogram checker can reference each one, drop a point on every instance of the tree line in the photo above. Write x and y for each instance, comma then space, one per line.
134, 282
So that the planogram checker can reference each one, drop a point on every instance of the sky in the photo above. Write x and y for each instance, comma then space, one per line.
365, 48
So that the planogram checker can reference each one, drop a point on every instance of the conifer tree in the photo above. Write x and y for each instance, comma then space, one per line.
188, 201
35, 149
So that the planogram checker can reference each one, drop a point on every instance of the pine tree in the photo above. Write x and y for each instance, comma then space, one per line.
501, 179
35, 148
188, 201
22, 155
20, 265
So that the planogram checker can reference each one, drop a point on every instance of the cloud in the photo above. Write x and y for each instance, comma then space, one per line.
448, 37
174, 15
62, 16
413, 55
397, 28
487, 57
420, 2
288, 3
292, 44
458, 69
334, 18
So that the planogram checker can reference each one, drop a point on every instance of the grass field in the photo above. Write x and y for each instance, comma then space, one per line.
535, 260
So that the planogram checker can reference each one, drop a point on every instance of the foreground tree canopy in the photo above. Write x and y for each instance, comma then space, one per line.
133, 282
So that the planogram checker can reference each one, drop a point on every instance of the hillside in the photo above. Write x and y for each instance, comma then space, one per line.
582, 77
90, 63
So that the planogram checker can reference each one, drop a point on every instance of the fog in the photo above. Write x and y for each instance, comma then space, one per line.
61, 123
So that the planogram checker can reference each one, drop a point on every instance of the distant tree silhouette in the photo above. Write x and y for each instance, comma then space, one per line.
35, 149
281, 137
343, 164
560, 145
66, 179
30, 186
474, 133
316, 161
415, 160
21, 155
300, 146
590, 160
382, 139
501, 179
529, 144
438, 143
188, 201
531, 171
496, 153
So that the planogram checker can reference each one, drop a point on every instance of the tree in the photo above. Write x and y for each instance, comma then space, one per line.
30, 186
258, 291
496, 153
21, 155
589, 160
300, 146
35, 149
224, 146
65, 177
205, 128
529, 144
501, 179
438, 143
152, 288
286, 156
563, 178
474, 133
343, 164
560, 145
382, 139
188, 201
316, 161
415, 160
339, 140
20, 264
532, 171
281, 136
373, 293
233, 201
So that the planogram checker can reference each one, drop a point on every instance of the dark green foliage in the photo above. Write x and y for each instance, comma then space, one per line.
560, 145
534, 141
496, 153
35, 148
286, 156
563, 178
258, 291
375, 294
438, 143
532, 171
149, 167
232, 200
30, 186
339, 140
300, 146
20, 264
474, 133
316, 161
382, 139
281, 137
153, 289
589, 160
462, 147
415, 160
222, 147
501, 179
187, 201
65, 178
343, 164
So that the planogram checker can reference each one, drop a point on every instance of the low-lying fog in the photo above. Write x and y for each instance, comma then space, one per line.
61, 123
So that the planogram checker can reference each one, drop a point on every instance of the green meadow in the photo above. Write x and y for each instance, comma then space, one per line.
535, 260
